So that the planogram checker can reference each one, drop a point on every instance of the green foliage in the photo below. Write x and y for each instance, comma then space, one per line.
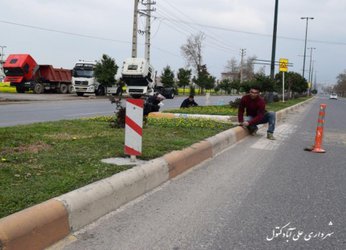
167, 77
293, 82
206, 110
204, 80
235, 104
105, 70
184, 77
192, 90
188, 123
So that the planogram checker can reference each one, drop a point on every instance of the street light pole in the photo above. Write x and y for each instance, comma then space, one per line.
306, 36
2, 60
272, 64
310, 71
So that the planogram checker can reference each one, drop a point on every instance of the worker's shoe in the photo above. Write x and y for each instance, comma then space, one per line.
270, 136
252, 130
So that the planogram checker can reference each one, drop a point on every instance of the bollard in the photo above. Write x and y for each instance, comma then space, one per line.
317, 148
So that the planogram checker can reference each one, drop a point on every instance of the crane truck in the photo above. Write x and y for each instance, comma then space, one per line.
25, 74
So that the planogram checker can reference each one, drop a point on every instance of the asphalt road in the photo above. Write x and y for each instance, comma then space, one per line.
258, 194
16, 109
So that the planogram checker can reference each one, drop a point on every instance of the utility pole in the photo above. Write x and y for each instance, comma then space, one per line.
306, 38
2, 61
148, 11
135, 30
242, 53
310, 69
272, 65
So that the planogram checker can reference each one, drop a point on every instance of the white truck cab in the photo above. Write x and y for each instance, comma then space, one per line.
139, 77
83, 79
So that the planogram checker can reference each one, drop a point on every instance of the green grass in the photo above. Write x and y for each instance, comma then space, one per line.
228, 110
45, 160
6, 88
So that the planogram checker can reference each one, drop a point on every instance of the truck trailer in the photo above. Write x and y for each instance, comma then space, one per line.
25, 74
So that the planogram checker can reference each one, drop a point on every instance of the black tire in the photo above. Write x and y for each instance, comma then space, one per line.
172, 95
80, 93
38, 88
100, 91
63, 88
20, 89
69, 88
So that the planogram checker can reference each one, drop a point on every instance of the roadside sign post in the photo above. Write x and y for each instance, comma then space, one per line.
133, 127
283, 66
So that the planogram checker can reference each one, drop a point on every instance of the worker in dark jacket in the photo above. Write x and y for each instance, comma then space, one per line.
189, 102
152, 103
254, 106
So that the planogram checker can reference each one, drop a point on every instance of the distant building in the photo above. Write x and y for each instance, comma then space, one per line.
230, 76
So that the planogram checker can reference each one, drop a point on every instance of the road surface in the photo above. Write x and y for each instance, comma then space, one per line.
31, 108
258, 194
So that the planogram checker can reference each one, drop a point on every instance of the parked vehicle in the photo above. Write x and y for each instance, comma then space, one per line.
84, 81
25, 74
167, 92
138, 74
333, 96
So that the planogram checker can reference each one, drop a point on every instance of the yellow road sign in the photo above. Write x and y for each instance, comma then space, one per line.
283, 64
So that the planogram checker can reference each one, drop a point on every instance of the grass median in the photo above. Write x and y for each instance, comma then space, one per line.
45, 160
228, 110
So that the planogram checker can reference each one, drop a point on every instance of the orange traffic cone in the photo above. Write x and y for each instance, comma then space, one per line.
317, 148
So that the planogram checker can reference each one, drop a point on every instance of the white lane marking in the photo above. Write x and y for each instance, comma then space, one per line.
282, 132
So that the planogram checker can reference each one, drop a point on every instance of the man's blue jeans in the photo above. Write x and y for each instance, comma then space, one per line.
269, 117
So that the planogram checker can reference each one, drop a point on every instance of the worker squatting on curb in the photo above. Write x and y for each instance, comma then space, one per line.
254, 106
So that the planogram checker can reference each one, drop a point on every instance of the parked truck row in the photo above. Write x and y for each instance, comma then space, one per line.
23, 72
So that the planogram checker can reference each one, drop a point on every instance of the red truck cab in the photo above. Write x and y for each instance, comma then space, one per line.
19, 68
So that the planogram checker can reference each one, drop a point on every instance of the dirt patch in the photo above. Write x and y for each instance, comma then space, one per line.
31, 148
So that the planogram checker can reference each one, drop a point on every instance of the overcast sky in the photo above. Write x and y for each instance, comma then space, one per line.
60, 32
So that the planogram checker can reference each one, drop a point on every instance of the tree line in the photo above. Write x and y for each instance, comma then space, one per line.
196, 77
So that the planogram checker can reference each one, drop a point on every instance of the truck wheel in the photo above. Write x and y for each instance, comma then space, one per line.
69, 89
63, 88
172, 95
20, 89
100, 91
38, 88
80, 93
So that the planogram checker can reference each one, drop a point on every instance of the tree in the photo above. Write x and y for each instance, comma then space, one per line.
232, 66
340, 87
204, 80
105, 71
294, 82
192, 51
167, 77
225, 85
184, 78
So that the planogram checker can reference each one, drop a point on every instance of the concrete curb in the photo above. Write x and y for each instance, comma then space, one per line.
44, 224
34, 228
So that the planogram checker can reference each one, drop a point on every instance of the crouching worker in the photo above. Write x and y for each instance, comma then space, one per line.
189, 102
254, 106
